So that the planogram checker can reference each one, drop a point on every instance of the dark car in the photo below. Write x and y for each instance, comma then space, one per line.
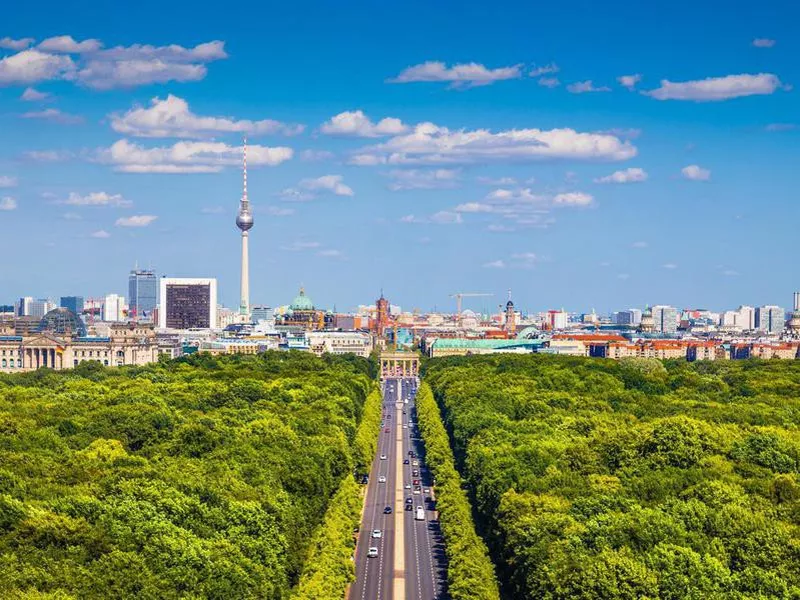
387, 510
364, 479
409, 500
405, 462
409, 507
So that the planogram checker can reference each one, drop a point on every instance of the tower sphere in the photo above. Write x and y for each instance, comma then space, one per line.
244, 220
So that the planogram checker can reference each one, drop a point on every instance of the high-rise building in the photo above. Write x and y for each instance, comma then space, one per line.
187, 303
665, 318
114, 308
244, 221
30, 307
142, 294
632, 316
556, 319
770, 319
746, 318
381, 315
262, 313
74, 303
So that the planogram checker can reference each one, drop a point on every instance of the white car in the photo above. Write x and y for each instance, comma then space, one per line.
416, 491
372, 552
415, 463
382, 479
383, 457
427, 490
405, 426
376, 533
408, 486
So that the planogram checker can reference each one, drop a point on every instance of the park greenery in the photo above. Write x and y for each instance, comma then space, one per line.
470, 573
201, 477
638, 478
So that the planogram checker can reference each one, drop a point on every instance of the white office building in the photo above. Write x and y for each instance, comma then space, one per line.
114, 308
770, 319
665, 318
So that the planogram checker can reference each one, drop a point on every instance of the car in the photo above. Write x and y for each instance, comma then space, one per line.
409, 500
416, 490
383, 457
415, 473
376, 533
372, 552
386, 430
427, 490
405, 426
387, 510
415, 482
408, 486
411, 453
409, 507
364, 479
406, 461
382, 479
415, 463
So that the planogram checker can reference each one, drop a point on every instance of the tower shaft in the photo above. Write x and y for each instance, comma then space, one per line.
244, 304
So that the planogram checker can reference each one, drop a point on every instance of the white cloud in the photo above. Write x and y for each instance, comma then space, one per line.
65, 44
330, 253
8, 203
434, 145
544, 70
573, 199
549, 82
48, 155
474, 207
135, 221
714, 89
623, 132
188, 157
763, 43
496, 181
100, 234
781, 127
33, 66
639, 245
357, 124
6, 181
459, 75
172, 117
16, 45
277, 211
623, 276
670, 266
696, 173
730, 273
583, 87
629, 81
328, 183
71, 216
295, 195
32, 95
96, 199
419, 179
630, 175
366, 160
526, 260
495, 228
495, 264
446, 217
54, 115
409, 219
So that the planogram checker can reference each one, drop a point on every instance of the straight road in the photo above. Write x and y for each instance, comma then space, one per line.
410, 561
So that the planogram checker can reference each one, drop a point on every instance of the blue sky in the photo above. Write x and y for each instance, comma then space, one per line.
582, 155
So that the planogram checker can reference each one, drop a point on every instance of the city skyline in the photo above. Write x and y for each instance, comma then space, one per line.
577, 177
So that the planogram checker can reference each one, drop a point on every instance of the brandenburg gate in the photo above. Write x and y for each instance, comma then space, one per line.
396, 365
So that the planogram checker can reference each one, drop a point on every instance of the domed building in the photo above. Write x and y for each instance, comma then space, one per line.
302, 314
62, 322
648, 323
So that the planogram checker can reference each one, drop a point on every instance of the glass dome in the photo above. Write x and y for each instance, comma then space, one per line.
62, 321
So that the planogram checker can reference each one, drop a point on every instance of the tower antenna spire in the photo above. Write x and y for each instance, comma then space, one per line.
244, 172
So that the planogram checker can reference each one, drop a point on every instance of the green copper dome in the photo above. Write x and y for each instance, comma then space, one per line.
302, 302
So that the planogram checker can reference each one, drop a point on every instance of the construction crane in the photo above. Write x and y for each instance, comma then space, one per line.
459, 295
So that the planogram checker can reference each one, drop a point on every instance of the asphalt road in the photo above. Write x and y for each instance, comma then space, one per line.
411, 562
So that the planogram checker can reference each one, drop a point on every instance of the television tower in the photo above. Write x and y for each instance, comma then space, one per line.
244, 221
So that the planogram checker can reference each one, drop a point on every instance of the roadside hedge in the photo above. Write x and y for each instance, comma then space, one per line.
470, 573
329, 567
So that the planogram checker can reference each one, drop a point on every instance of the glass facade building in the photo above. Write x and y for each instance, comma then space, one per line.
73, 303
142, 294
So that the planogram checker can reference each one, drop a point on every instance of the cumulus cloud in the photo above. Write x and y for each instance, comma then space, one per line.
100, 234
584, 87
429, 144
623, 132
714, 89
330, 253
16, 45
65, 44
459, 75
357, 124
54, 115
446, 217
171, 117
474, 207
299, 246
315, 155
328, 183
696, 173
188, 157
630, 175
88, 64
544, 70
135, 221
629, 81
33, 66
277, 211
573, 199
549, 82
670, 266
496, 181
32, 95
420, 179
8, 203
48, 155
6, 181
96, 199
763, 43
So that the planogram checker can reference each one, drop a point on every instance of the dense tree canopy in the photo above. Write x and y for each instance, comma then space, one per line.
202, 477
631, 479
